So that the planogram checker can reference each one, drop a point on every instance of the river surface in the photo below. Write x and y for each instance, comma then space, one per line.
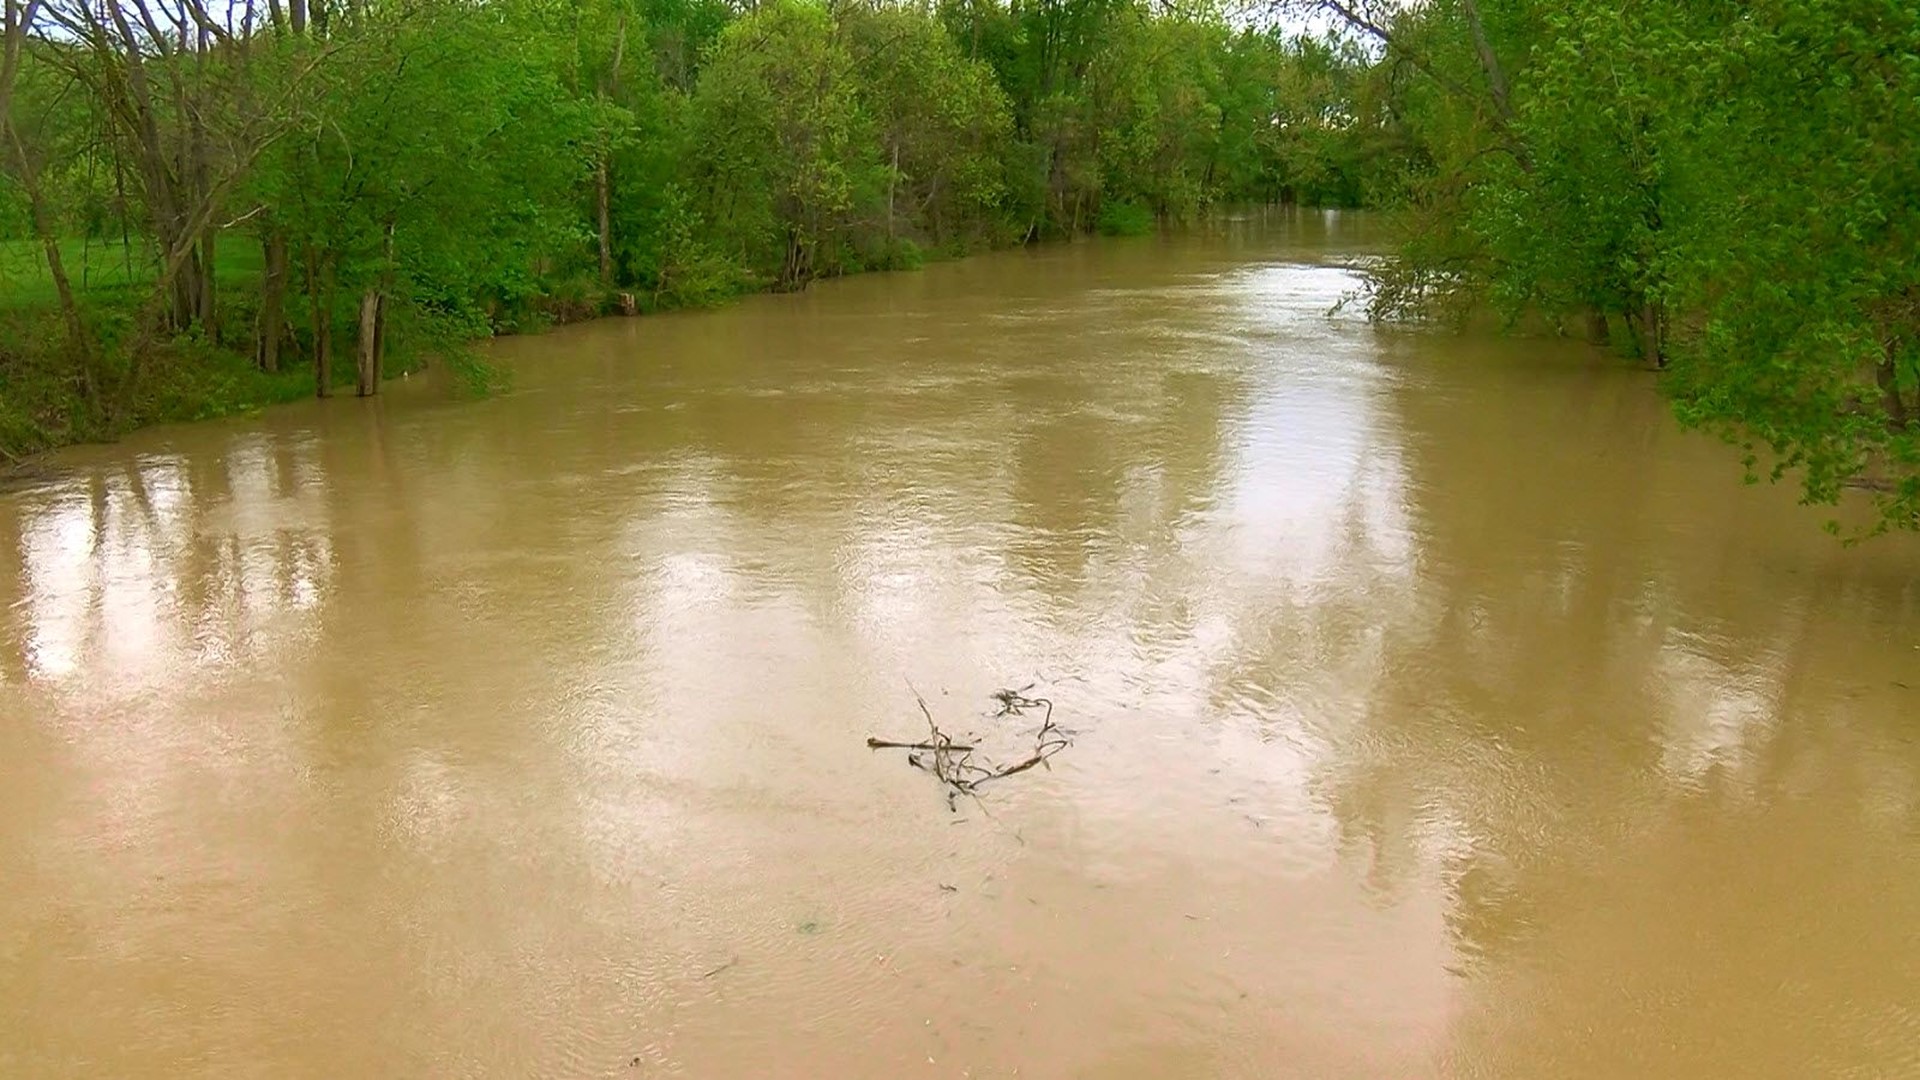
1438, 709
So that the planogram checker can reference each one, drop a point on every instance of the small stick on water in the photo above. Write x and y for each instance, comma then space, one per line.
721, 968
1039, 758
953, 763
883, 744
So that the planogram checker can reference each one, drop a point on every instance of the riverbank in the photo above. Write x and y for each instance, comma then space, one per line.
45, 404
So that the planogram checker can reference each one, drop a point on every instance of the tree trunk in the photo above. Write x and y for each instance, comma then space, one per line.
77, 336
13, 37
373, 326
273, 316
380, 341
1598, 332
1489, 63
320, 304
1648, 334
603, 197
209, 312
1889, 378
180, 298
893, 181
603, 173
323, 353
368, 382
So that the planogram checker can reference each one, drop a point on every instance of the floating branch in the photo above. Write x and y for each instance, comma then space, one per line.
953, 762
1016, 702
882, 744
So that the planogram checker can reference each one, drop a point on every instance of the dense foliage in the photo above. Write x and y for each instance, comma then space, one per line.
197, 192
1729, 189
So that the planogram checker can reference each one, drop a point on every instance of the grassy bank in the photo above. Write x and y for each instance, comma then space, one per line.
48, 400
103, 271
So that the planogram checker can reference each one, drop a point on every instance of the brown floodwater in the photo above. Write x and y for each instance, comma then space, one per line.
1439, 709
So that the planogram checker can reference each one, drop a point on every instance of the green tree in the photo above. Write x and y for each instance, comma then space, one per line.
1798, 258
788, 155
943, 126
1733, 183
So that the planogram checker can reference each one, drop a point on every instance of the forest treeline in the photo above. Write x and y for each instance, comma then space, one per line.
197, 196
1729, 189
209, 203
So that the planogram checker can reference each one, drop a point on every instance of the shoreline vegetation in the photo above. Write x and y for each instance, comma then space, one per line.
205, 208
205, 211
196, 380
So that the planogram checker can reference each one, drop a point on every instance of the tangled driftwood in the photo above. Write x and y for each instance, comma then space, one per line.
953, 762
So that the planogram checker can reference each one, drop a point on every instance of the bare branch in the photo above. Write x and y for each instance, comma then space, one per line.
953, 762
13, 37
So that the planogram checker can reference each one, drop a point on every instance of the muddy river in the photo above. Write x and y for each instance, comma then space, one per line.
1438, 708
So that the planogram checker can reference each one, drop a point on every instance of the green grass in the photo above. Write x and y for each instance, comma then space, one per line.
100, 268
42, 404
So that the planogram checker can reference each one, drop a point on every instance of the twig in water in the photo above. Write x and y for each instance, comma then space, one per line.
882, 744
1016, 702
953, 762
